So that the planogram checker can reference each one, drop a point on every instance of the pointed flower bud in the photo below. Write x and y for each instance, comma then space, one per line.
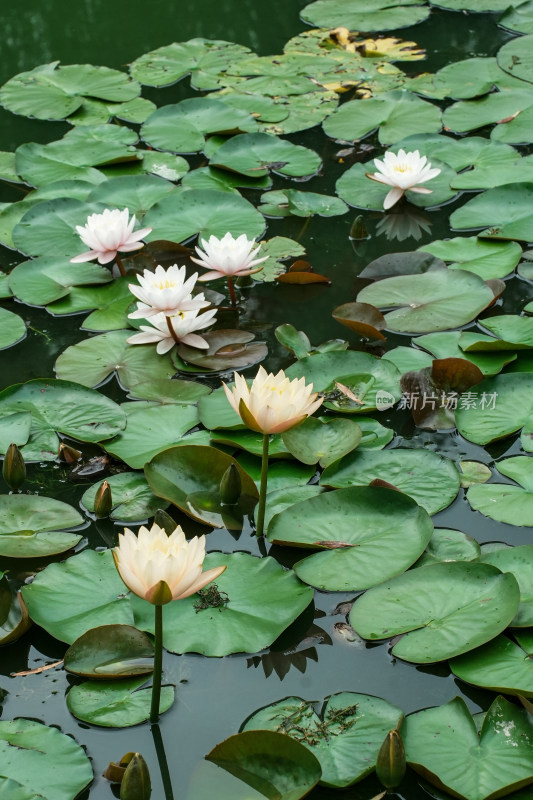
136, 784
14, 469
103, 502
230, 486
390, 765
358, 229
68, 454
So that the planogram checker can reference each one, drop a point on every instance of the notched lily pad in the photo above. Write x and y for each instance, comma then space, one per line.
110, 651
114, 704
34, 526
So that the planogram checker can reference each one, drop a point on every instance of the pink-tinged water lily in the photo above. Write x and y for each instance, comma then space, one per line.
108, 233
159, 567
228, 257
403, 172
273, 403
166, 291
183, 324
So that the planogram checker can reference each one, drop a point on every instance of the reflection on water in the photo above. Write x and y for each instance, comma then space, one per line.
408, 223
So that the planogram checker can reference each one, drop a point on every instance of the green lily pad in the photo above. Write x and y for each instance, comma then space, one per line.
228, 349
515, 57
500, 665
443, 610
53, 92
397, 114
7, 168
280, 499
221, 181
12, 328
255, 153
288, 202
507, 502
519, 18
189, 477
487, 259
16, 791
110, 651
164, 391
507, 209
278, 249
150, 162
111, 303
430, 479
47, 278
281, 474
473, 472
14, 619
49, 228
115, 705
369, 15
345, 736
264, 599
392, 532
518, 561
368, 377
261, 764
407, 359
150, 430
136, 193
46, 762
448, 345
511, 328
300, 111
203, 59
444, 745
33, 526
214, 411
322, 441
132, 498
183, 214
504, 406
92, 361
252, 442
433, 301
96, 112
55, 405
182, 128
83, 592
448, 545
468, 115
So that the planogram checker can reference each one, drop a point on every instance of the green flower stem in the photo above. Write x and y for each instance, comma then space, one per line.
158, 664
120, 265
263, 487
162, 761
232, 294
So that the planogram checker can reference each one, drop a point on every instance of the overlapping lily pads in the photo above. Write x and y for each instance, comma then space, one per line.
110, 651
502, 665
505, 406
507, 502
34, 526
133, 501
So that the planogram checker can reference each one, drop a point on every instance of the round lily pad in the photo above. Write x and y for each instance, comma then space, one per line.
132, 498
228, 349
255, 153
189, 477
449, 545
115, 704
391, 533
506, 209
506, 502
14, 618
263, 600
12, 328
381, 15
433, 301
345, 736
443, 610
519, 562
515, 56
430, 479
47, 763
487, 259
49, 406
183, 214
322, 441
504, 405
136, 193
500, 665
33, 526
110, 651
49, 228
47, 278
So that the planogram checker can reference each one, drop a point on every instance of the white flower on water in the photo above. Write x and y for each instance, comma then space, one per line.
403, 171
228, 257
166, 291
184, 323
108, 233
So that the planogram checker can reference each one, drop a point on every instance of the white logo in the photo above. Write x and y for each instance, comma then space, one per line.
384, 400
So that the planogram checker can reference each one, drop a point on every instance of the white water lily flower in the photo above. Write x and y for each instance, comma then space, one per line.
183, 324
166, 291
160, 568
107, 234
273, 403
403, 171
228, 257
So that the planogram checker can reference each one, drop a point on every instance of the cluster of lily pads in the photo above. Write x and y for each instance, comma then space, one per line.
340, 489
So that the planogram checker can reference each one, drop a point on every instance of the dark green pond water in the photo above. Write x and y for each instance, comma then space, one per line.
315, 658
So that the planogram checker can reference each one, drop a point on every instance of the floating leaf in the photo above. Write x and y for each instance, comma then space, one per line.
518, 561
507, 209
448, 345
376, 15
228, 349
12, 328
322, 441
254, 154
115, 704
507, 502
353, 557
487, 259
33, 526
515, 56
14, 619
443, 610
49, 228
345, 736
449, 545
504, 405
133, 500
137, 194
500, 665
47, 278
110, 651
278, 249
301, 204
364, 319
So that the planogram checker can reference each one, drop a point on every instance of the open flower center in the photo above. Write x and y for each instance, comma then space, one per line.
402, 168
166, 284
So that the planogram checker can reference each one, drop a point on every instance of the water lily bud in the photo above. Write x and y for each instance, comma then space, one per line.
165, 521
68, 454
390, 765
230, 486
358, 229
136, 783
115, 772
14, 469
103, 502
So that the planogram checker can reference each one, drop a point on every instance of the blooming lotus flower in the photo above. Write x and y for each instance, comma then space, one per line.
160, 568
108, 233
228, 257
166, 291
403, 171
183, 324
273, 403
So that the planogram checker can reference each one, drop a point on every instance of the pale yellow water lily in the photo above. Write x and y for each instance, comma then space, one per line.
273, 403
183, 325
228, 257
403, 171
108, 233
166, 291
159, 567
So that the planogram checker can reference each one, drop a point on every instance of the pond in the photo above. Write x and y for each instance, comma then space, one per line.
317, 646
